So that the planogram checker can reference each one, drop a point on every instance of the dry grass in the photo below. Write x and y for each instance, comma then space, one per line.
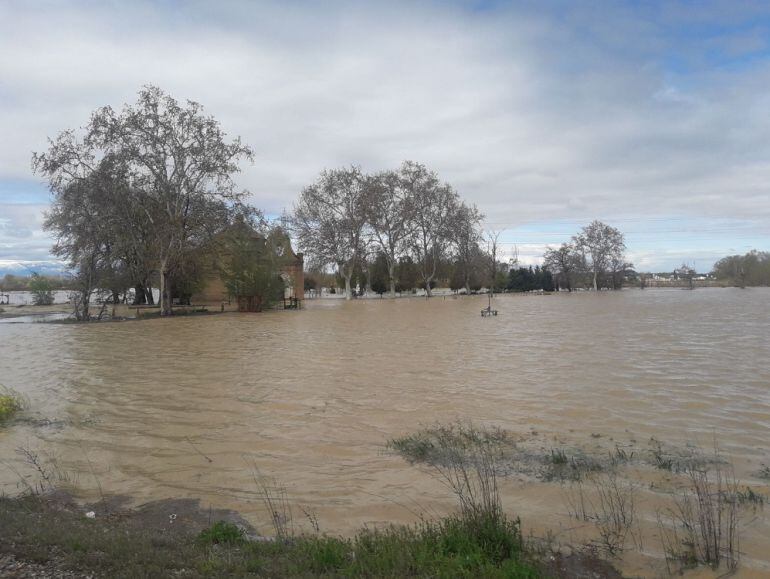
49, 475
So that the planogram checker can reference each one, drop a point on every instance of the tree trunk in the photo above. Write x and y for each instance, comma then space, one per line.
81, 307
595, 284
85, 298
149, 297
428, 291
167, 297
392, 279
165, 302
347, 286
140, 298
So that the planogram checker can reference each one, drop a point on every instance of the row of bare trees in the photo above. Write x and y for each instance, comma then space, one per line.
595, 257
346, 215
140, 191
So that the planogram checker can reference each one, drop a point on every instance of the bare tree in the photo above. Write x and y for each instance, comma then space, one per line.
329, 220
178, 168
564, 263
493, 242
603, 245
619, 269
86, 236
389, 209
466, 236
434, 205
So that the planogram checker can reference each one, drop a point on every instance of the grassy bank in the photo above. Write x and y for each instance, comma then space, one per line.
51, 536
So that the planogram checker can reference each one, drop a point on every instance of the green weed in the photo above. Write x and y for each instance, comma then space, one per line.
222, 532
11, 402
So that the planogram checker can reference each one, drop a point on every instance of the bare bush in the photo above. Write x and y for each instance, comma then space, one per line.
276, 503
609, 503
703, 523
467, 459
471, 474
49, 474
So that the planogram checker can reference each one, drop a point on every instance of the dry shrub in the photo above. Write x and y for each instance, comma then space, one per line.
49, 475
702, 525
609, 503
276, 503
470, 472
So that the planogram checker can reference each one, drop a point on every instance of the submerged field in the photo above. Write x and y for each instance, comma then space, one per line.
193, 408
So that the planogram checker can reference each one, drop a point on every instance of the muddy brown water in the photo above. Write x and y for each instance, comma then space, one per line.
188, 407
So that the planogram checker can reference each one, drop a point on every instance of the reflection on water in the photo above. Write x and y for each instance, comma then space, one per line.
31, 319
312, 396
21, 298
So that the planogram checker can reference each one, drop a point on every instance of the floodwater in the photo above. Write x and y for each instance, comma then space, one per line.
188, 407
22, 298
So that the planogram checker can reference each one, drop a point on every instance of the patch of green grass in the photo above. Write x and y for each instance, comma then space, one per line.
559, 457
561, 466
325, 554
458, 546
431, 445
460, 443
750, 497
222, 532
11, 402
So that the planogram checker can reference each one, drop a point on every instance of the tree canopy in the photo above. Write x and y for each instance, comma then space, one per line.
156, 180
752, 269
596, 256
347, 219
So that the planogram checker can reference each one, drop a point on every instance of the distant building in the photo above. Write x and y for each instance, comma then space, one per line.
213, 291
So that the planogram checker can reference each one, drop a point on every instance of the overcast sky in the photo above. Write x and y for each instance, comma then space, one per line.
654, 117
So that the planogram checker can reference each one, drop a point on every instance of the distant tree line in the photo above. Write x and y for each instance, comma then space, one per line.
594, 258
402, 229
12, 282
140, 196
525, 279
373, 276
752, 269
41, 287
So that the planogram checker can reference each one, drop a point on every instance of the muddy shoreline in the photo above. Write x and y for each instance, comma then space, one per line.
15, 311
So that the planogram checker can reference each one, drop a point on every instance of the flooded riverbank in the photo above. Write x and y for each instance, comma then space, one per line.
185, 407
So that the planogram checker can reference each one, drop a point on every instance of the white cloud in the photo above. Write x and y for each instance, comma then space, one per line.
531, 115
